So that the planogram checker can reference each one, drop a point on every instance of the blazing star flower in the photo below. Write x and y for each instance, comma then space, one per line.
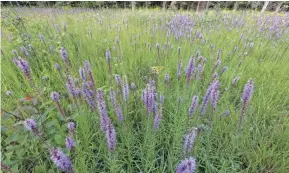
107, 55
24, 51
189, 141
125, 89
70, 86
132, 86
31, 125
206, 100
61, 160
69, 143
88, 95
224, 70
64, 55
117, 79
55, 96
187, 166
82, 74
190, 70
57, 66
235, 80
246, 97
24, 67
179, 69
104, 119
58, 28
194, 105
162, 99
71, 127
148, 98
200, 70
110, 137
215, 94
157, 119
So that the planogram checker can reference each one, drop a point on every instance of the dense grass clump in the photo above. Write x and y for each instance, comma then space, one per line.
120, 91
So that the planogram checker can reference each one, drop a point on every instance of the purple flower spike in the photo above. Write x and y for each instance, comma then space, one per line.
200, 70
82, 74
110, 137
71, 126
189, 141
235, 80
89, 97
70, 86
187, 166
57, 66
112, 96
125, 89
24, 66
157, 119
107, 55
88, 69
218, 62
206, 100
149, 98
117, 79
118, 112
224, 70
247, 93
31, 125
24, 51
104, 119
194, 105
162, 99
179, 69
55, 96
69, 143
132, 86
58, 28
64, 55
246, 97
61, 160
190, 70
215, 94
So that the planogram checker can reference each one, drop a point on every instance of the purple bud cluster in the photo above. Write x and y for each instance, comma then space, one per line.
88, 95
31, 125
61, 160
149, 99
189, 141
64, 55
104, 119
194, 105
190, 69
125, 89
24, 67
187, 166
55, 96
70, 86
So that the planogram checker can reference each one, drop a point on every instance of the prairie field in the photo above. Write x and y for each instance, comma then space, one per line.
148, 91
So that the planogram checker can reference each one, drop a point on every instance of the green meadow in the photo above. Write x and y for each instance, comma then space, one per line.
145, 47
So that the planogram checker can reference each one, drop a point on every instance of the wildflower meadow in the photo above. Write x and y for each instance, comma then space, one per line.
118, 90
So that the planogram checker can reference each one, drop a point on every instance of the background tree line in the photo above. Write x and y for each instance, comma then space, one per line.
174, 5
